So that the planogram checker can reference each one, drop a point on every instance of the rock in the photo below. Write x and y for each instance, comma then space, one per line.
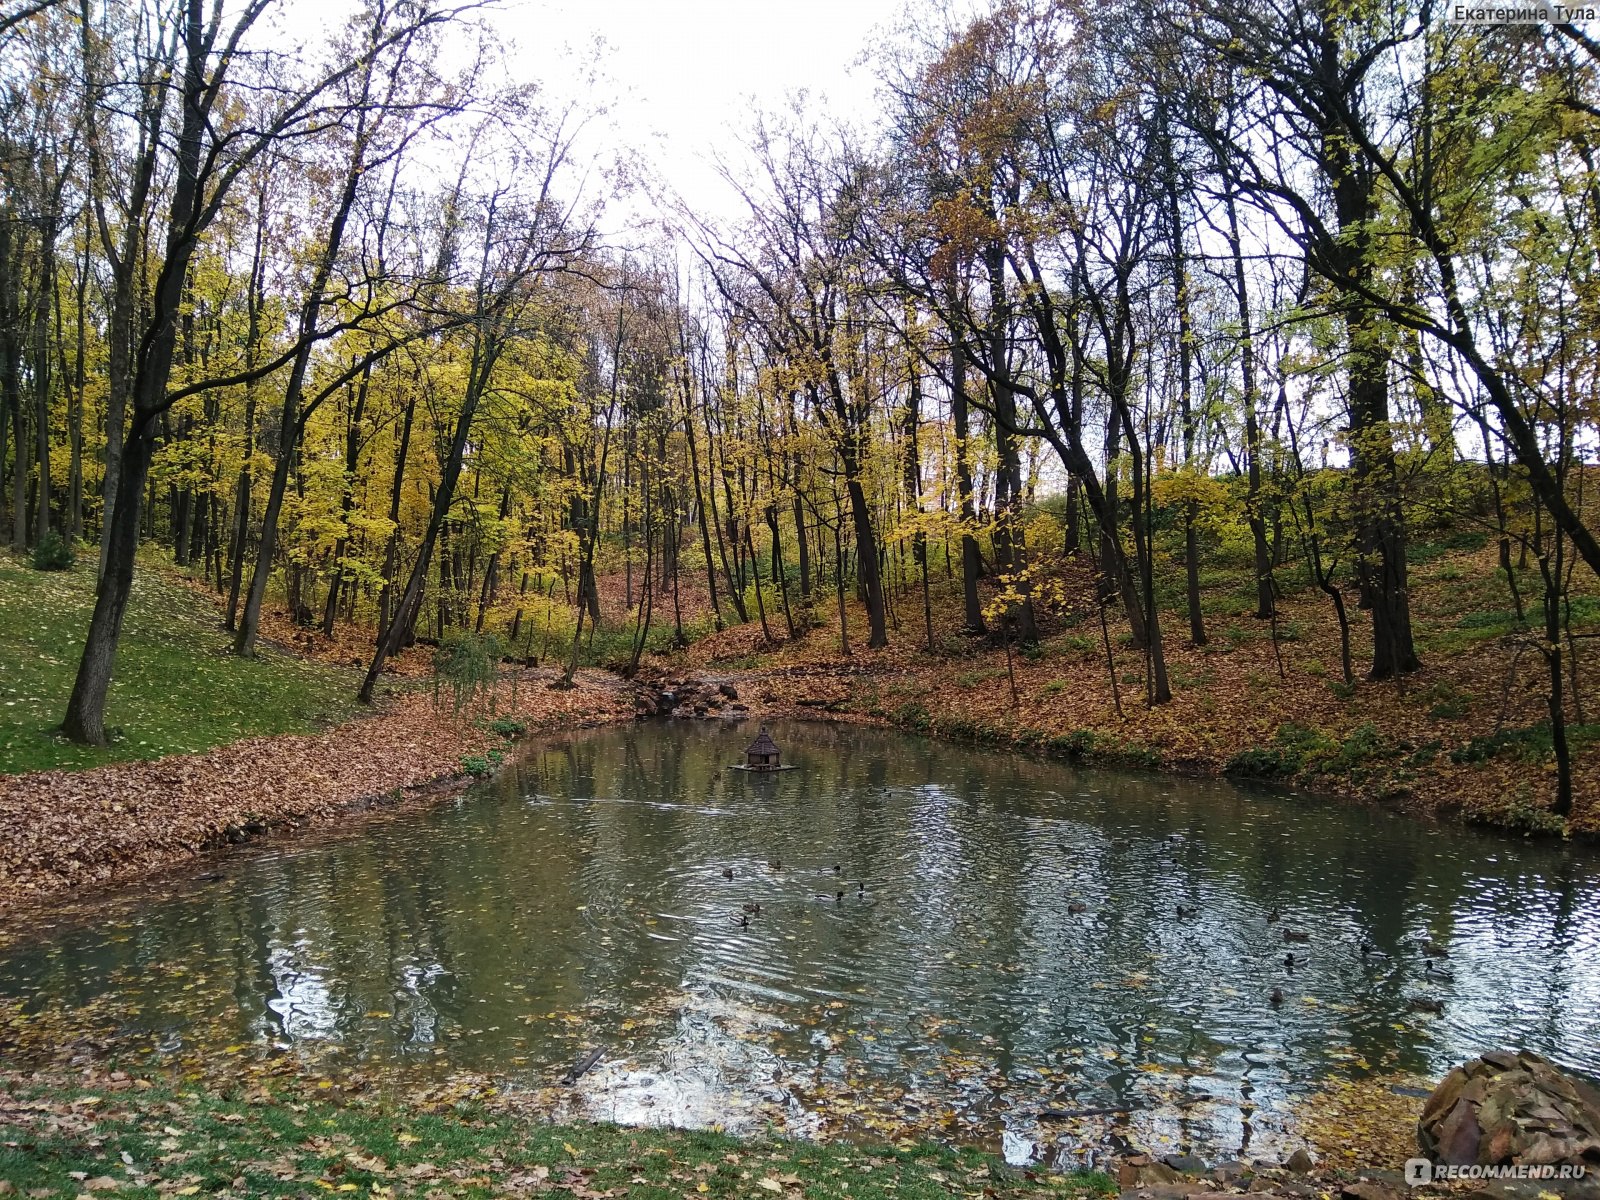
1161, 1191
1189, 1164
1301, 1161
1142, 1171
1230, 1172
1511, 1107
1367, 1190
1394, 1180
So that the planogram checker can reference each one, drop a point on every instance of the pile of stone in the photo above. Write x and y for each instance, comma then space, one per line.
1512, 1106
703, 698
1504, 1108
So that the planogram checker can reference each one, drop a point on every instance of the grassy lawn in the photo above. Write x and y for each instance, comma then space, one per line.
176, 689
150, 1142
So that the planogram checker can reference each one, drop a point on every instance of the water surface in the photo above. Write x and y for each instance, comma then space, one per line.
580, 899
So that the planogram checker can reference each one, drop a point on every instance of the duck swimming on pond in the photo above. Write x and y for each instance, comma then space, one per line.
1296, 935
743, 921
753, 909
1439, 973
1186, 911
1290, 961
1427, 1004
727, 872
1077, 906
1368, 950
1277, 997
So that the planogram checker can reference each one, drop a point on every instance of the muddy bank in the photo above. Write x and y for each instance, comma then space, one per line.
70, 831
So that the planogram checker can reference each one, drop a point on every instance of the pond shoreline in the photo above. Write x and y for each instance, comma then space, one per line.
83, 832
854, 691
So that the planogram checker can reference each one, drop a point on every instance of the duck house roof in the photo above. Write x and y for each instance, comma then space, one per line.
763, 744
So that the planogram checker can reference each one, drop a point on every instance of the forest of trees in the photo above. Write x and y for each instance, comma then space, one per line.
1168, 285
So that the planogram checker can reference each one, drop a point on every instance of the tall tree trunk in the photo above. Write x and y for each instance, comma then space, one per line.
971, 559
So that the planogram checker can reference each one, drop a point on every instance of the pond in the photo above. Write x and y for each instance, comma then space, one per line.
949, 940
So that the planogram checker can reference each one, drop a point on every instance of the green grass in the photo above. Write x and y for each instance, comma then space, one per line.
175, 689
161, 1142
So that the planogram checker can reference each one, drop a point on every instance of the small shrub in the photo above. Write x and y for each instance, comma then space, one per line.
1446, 701
54, 553
1077, 745
912, 715
480, 765
1263, 762
509, 727
960, 727
1131, 755
1341, 690
468, 664
1054, 688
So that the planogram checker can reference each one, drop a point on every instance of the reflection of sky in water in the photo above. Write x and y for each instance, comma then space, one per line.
580, 900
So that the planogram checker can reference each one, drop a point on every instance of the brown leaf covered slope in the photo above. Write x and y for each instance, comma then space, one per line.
71, 829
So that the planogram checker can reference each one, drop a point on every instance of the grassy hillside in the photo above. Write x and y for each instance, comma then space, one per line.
176, 688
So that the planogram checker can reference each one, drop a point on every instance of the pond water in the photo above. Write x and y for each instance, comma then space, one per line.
1008, 940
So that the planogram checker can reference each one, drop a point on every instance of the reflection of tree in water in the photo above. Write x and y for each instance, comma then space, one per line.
587, 883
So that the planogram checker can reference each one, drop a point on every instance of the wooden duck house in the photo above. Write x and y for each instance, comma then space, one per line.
763, 753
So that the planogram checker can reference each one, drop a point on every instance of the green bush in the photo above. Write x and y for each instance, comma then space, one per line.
1263, 762
1446, 701
54, 553
1077, 745
912, 715
1532, 744
509, 727
480, 765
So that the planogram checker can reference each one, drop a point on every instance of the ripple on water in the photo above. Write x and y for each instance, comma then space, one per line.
1009, 940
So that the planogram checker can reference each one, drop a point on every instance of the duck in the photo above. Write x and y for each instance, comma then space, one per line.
1186, 911
1432, 949
1273, 916
837, 868
774, 864
1427, 1004
836, 897
742, 921
1276, 998
1296, 935
1290, 961
1077, 906
861, 887
753, 909
727, 872
1368, 950
1436, 972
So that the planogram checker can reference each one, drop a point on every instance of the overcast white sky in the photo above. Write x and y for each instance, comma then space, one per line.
686, 73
